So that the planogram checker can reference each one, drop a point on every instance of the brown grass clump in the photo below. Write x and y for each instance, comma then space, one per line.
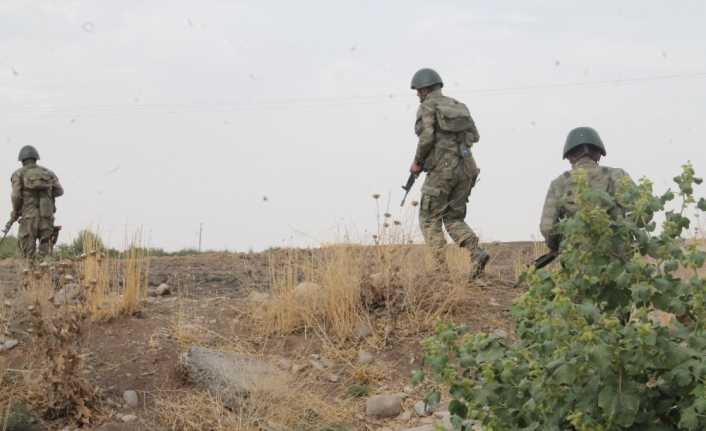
273, 406
336, 289
114, 285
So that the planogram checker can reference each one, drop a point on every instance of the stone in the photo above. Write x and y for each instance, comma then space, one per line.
383, 406
362, 330
7, 344
163, 290
365, 357
131, 399
230, 376
68, 294
422, 409
128, 418
333, 378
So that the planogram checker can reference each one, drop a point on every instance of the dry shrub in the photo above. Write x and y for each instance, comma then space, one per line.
115, 285
275, 406
352, 282
64, 392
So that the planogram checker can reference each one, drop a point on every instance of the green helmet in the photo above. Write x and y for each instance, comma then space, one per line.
28, 152
426, 78
583, 136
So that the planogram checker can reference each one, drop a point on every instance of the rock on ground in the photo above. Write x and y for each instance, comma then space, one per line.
229, 375
131, 399
365, 357
383, 406
7, 344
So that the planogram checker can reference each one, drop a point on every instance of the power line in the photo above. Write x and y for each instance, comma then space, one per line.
175, 108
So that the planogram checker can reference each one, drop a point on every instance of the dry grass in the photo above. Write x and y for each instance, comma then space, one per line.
113, 285
272, 405
332, 290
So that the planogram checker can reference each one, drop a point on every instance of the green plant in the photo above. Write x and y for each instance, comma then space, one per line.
613, 339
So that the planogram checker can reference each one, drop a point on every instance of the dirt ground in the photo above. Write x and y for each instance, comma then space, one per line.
209, 305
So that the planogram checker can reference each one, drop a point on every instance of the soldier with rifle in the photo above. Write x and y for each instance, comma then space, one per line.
34, 190
584, 149
446, 134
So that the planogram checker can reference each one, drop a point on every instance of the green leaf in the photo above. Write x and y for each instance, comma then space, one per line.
458, 408
432, 399
417, 378
702, 204
689, 419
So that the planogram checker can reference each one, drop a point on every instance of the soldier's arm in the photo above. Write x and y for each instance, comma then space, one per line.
474, 132
16, 195
57, 189
426, 136
550, 216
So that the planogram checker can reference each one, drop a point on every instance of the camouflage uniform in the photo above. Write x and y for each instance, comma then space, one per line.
560, 203
444, 153
34, 189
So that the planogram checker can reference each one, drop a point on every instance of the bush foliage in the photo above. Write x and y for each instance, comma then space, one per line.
596, 349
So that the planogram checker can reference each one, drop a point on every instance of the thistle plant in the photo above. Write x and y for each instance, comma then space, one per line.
594, 349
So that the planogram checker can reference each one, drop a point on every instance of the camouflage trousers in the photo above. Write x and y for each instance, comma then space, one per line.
33, 230
445, 196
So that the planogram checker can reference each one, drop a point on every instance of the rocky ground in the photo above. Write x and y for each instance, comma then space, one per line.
196, 332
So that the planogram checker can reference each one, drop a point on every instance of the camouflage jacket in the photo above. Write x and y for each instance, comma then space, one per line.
34, 189
560, 200
445, 129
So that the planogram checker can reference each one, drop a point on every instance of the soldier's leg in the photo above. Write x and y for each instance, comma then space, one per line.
27, 236
459, 230
431, 210
45, 230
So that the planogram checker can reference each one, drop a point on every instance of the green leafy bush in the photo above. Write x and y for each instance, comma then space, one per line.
613, 339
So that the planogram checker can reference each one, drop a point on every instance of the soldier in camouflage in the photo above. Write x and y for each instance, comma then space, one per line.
446, 134
34, 189
584, 149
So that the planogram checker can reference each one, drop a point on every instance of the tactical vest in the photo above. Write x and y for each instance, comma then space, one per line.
37, 192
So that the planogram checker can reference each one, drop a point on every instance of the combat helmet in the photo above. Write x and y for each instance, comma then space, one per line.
28, 152
425, 78
583, 136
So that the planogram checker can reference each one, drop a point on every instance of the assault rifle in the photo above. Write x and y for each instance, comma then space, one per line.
408, 186
5, 231
538, 263
545, 259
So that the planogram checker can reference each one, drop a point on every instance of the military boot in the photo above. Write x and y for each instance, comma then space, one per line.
479, 258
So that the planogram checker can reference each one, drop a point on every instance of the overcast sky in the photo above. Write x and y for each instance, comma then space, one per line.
166, 114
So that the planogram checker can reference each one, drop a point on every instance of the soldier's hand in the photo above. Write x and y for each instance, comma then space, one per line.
415, 168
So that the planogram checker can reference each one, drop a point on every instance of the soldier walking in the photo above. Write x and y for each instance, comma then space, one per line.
584, 149
34, 189
446, 134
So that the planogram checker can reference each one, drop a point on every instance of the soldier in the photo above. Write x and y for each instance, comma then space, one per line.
34, 189
584, 149
446, 134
